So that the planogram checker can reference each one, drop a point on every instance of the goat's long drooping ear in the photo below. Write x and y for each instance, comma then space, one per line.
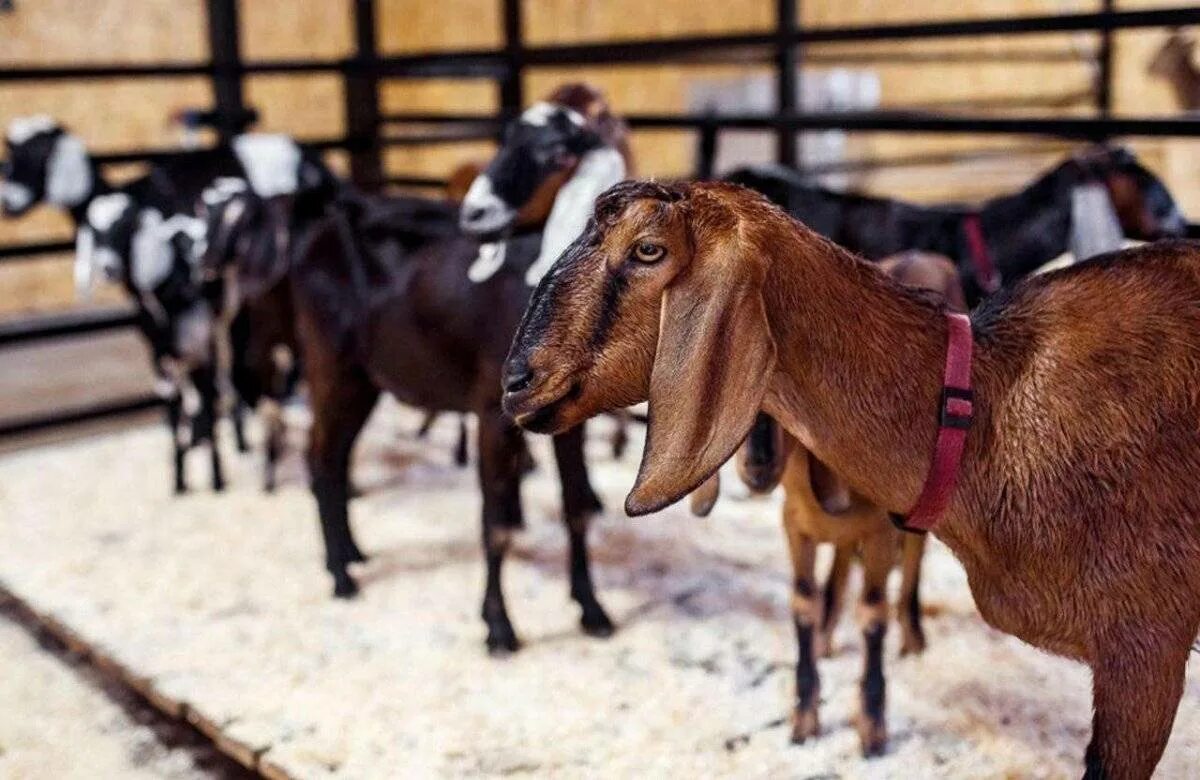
712, 365
598, 170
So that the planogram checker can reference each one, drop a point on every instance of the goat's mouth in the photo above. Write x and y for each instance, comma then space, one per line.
540, 410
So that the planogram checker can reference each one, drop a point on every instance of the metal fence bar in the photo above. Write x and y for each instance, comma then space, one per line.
69, 324
19, 252
33, 423
362, 101
787, 79
225, 50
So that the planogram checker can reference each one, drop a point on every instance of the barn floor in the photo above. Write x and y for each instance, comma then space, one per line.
221, 603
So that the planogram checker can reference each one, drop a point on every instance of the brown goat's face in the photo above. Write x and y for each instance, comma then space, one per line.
658, 300
587, 342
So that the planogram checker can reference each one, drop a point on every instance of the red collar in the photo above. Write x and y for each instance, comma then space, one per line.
957, 410
985, 271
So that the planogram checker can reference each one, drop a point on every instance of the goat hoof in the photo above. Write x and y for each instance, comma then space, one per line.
218, 487
595, 623
181, 490
872, 735
502, 641
344, 587
805, 724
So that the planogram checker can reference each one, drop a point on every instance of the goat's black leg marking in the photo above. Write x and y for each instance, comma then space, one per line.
460, 451
174, 411
878, 555
238, 415
805, 613
204, 380
579, 503
341, 406
427, 424
500, 445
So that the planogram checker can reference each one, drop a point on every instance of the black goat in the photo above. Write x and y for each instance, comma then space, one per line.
383, 302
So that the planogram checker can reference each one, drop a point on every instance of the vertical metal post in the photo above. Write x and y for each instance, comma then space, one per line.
786, 77
1104, 77
362, 100
225, 49
512, 91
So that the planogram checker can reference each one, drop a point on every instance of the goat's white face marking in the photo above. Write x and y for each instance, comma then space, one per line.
491, 257
85, 248
104, 211
23, 128
598, 170
271, 162
222, 189
150, 252
538, 115
68, 172
483, 210
1095, 227
16, 197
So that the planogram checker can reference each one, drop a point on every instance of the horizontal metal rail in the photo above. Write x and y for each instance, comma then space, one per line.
105, 409
19, 252
68, 324
492, 63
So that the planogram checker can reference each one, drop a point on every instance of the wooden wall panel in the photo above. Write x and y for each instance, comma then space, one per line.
296, 29
406, 26
100, 31
574, 21
305, 106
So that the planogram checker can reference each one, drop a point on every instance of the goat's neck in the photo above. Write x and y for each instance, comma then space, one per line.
100, 186
1029, 228
1184, 78
859, 365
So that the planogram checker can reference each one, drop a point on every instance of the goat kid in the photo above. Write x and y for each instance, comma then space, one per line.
1076, 513
820, 508
157, 266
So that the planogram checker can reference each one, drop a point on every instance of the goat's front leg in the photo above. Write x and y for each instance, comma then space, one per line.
271, 414
878, 553
912, 636
833, 596
500, 447
806, 612
174, 416
1136, 690
341, 404
205, 384
579, 504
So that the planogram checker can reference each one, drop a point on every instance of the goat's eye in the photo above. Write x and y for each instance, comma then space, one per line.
646, 252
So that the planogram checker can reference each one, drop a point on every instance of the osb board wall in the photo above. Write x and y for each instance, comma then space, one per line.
122, 114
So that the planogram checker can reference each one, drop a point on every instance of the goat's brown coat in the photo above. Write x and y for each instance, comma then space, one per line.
1077, 513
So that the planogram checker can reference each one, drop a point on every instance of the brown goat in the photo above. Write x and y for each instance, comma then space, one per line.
820, 508
1077, 512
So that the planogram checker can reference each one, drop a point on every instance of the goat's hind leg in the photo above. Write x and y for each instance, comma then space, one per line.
341, 405
1136, 691
806, 612
500, 446
174, 416
833, 597
579, 504
912, 635
878, 553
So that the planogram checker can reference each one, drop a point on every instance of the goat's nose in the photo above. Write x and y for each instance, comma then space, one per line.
517, 376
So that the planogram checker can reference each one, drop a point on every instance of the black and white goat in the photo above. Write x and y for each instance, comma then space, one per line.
155, 259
